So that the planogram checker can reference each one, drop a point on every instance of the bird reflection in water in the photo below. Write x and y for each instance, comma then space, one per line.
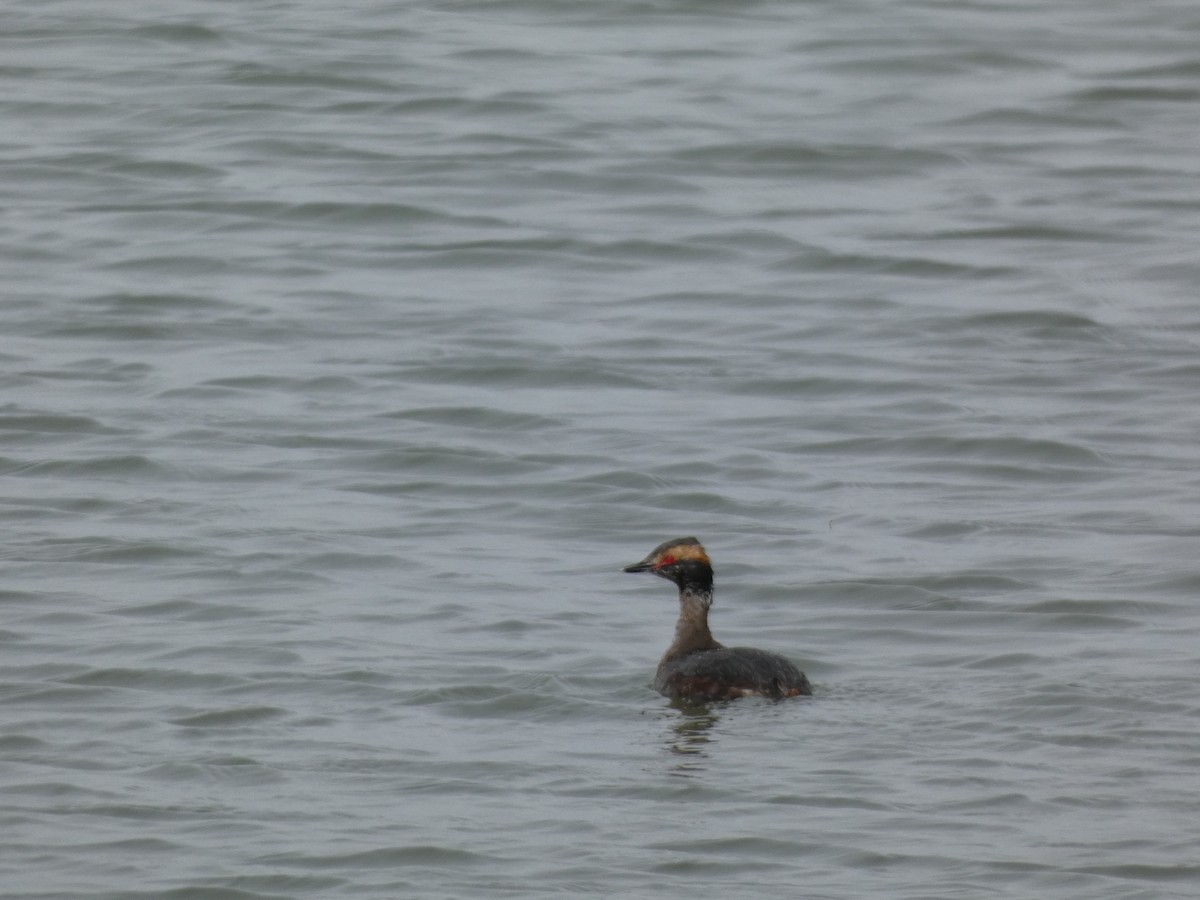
689, 735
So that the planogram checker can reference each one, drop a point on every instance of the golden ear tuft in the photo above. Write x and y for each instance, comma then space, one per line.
687, 551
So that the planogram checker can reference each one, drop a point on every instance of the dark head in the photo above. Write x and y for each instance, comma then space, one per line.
682, 561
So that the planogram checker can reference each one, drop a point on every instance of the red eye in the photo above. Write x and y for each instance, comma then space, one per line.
665, 561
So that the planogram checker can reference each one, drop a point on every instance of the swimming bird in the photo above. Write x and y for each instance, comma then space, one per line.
696, 667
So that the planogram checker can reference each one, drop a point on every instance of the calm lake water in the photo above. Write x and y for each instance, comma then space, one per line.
349, 351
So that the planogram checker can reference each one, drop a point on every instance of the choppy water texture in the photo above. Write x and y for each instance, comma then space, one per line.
349, 350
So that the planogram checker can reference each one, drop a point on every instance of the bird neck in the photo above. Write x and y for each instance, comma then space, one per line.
691, 629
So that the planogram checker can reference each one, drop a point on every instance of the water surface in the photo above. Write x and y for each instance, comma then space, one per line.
350, 352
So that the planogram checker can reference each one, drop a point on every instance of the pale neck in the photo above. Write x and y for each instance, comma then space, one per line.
691, 629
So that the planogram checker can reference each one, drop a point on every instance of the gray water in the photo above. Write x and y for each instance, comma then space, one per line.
349, 351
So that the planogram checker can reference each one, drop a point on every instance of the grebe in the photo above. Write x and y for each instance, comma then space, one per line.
696, 667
